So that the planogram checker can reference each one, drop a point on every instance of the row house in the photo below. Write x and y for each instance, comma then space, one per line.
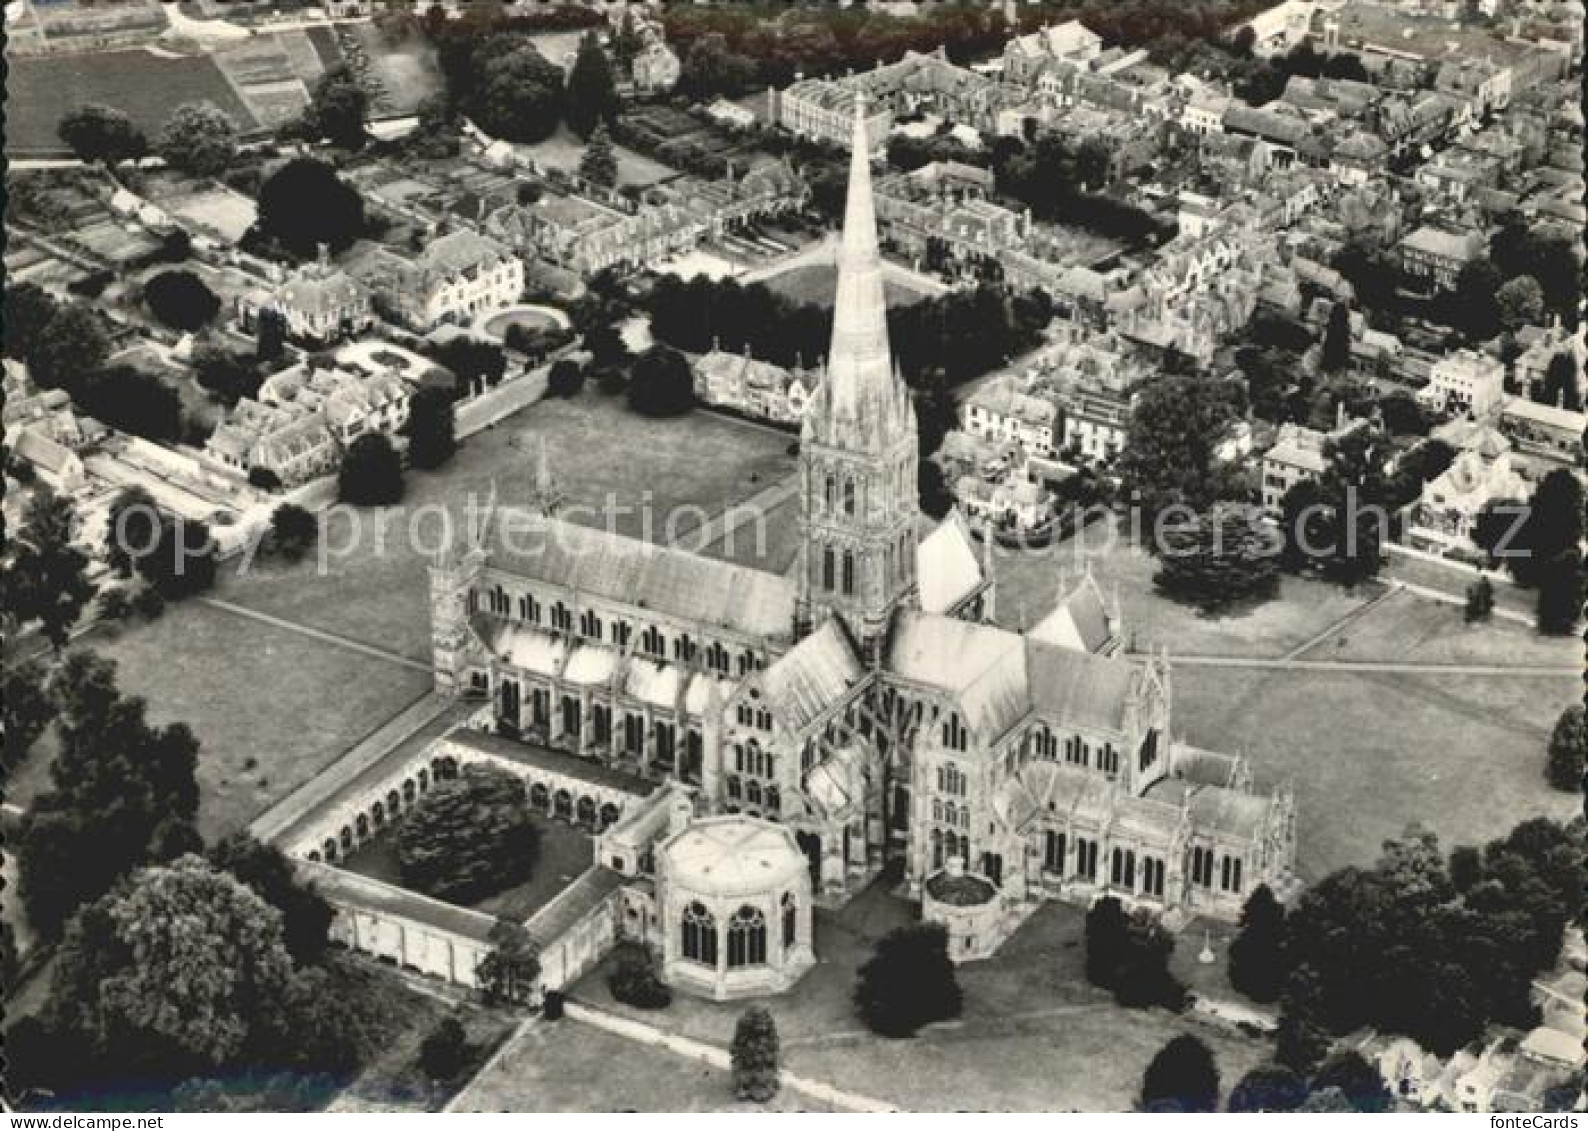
999, 410
755, 388
1435, 256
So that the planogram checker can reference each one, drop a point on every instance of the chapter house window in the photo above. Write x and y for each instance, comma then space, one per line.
790, 920
849, 573
828, 569
746, 938
1053, 855
954, 734
561, 617
700, 935
651, 642
849, 496
590, 625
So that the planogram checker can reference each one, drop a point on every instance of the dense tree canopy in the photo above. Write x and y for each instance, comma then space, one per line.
1175, 427
46, 575
469, 837
432, 438
266, 871
592, 96
101, 133
1182, 1078
1568, 747
181, 300
1222, 557
198, 138
1268, 1087
754, 1055
1256, 956
908, 982
662, 383
372, 472
338, 109
304, 204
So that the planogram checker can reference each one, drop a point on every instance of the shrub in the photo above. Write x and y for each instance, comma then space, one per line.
634, 982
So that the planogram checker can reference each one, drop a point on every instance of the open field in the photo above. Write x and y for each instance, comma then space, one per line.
564, 149
270, 708
1370, 753
1029, 1006
565, 853
143, 86
598, 451
1408, 627
570, 1066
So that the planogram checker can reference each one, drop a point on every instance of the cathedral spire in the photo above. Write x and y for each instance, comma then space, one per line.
860, 373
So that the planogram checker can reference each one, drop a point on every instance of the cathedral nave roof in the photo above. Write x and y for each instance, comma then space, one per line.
946, 566
813, 675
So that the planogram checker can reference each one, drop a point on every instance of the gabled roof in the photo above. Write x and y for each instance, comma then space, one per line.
1090, 690
982, 668
946, 568
812, 676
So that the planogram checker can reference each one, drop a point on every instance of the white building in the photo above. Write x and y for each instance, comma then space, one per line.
1465, 381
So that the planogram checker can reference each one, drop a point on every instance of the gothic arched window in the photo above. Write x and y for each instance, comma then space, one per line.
790, 919
849, 496
829, 582
832, 491
700, 934
849, 573
746, 938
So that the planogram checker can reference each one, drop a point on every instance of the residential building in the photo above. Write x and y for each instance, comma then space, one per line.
1465, 381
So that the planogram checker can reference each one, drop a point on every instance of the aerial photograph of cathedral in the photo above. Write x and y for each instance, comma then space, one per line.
758, 556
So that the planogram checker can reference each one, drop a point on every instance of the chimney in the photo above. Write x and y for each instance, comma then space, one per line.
1339, 416
323, 254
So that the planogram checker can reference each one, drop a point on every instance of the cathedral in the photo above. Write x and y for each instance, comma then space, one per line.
864, 702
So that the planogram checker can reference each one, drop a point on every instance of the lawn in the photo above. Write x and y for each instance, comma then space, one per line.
564, 150
1405, 626
392, 1080
565, 854
1370, 753
575, 1067
256, 698
1028, 1006
603, 456
815, 285
1029, 582
143, 86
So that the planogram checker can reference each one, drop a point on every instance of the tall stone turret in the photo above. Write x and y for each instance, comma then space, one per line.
858, 449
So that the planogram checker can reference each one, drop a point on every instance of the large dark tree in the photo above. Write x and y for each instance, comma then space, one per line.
305, 915
508, 973
227, 375
133, 400
908, 982
123, 794
1303, 1041
101, 133
1268, 1087
469, 837
47, 576
1560, 385
338, 109
181, 300
599, 163
431, 431
1337, 339
1568, 747
661, 383
72, 345
592, 94
1219, 558
1257, 967
304, 204
1560, 593
371, 474
1357, 1080
515, 94
1107, 929
28, 310
1182, 1077
25, 709
1175, 426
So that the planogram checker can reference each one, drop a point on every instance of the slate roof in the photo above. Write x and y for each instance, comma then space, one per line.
946, 567
812, 676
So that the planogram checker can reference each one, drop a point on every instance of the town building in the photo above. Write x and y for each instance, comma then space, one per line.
456, 278
318, 303
1436, 255
1465, 381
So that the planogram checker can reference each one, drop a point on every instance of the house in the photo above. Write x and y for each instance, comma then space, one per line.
1447, 512
1297, 456
1011, 503
1094, 423
1465, 381
1437, 255
1000, 411
1544, 430
318, 303
656, 67
55, 463
458, 277
730, 114
1028, 56
753, 387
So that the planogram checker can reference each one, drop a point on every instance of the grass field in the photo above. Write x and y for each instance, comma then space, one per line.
599, 451
815, 285
565, 853
1370, 753
1408, 627
564, 150
255, 696
143, 86
570, 1066
1031, 1006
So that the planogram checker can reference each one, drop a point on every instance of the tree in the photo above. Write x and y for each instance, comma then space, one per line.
1268, 1087
101, 133
509, 971
709, 68
177, 971
304, 204
1357, 1080
28, 311
634, 982
48, 576
72, 344
469, 837
1142, 977
1554, 525
661, 384
430, 428
1560, 593
908, 982
592, 94
337, 110
754, 1054
225, 374
131, 399
1568, 747
292, 530
1472, 306
566, 378
132, 530
1520, 301
371, 474
1182, 1077
1328, 1101
1220, 558
1175, 425
517, 93
1106, 933
444, 1051
266, 871
25, 708
475, 362
198, 139
181, 300
1337, 339
1303, 1041
599, 163
122, 794
270, 335
1480, 600
1256, 956
1560, 382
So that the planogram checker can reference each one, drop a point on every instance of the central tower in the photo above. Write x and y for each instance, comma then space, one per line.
859, 507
